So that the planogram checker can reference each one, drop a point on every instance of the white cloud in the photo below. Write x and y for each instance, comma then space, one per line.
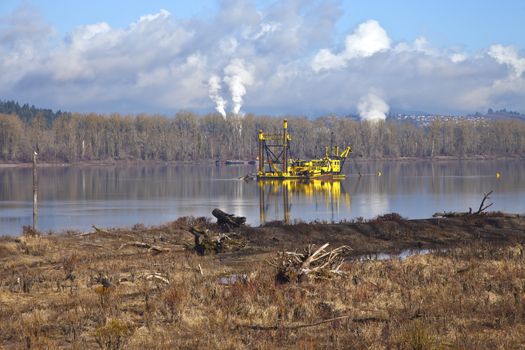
264, 28
162, 14
368, 39
508, 55
88, 32
276, 59
458, 57
228, 45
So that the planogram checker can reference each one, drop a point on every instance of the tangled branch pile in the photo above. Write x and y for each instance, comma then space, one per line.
207, 242
319, 263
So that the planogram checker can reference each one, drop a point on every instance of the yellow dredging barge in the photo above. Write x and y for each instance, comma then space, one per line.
275, 162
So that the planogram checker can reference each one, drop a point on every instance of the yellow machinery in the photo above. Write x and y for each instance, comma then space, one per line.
275, 162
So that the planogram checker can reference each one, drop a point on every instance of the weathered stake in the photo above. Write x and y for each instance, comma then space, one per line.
35, 190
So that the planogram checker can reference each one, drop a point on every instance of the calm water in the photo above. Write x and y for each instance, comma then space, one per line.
109, 196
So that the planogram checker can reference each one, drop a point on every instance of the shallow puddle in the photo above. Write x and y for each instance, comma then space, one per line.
389, 256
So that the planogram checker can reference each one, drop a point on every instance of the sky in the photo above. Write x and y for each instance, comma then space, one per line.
309, 57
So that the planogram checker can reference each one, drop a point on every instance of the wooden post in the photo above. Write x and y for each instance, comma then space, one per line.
35, 190
286, 207
285, 149
262, 205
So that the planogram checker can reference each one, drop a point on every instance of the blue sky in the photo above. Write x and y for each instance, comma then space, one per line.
472, 24
308, 57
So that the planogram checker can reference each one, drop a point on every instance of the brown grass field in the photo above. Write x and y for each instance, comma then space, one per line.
105, 291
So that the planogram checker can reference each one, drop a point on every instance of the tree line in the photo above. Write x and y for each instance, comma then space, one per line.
27, 112
75, 137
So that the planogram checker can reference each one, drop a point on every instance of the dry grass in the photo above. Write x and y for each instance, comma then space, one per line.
78, 292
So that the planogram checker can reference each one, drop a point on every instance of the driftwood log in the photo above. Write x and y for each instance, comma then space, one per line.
228, 221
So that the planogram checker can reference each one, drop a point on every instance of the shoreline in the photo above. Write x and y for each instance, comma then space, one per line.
211, 161
388, 233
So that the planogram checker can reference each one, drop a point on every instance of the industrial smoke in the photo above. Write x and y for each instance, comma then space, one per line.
372, 108
214, 89
237, 77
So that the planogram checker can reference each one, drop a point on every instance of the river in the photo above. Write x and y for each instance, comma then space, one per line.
77, 197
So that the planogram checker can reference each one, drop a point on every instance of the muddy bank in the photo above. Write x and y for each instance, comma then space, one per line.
390, 233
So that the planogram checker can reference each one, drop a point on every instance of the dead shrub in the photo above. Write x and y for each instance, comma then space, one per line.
112, 335
418, 336
32, 327
34, 245
174, 300
387, 217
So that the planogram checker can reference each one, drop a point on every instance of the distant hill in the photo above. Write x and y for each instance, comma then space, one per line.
27, 113
501, 114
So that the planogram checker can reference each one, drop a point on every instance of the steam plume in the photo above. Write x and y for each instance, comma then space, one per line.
372, 108
237, 77
214, 89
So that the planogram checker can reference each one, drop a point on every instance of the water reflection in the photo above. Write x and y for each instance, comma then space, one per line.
283, 194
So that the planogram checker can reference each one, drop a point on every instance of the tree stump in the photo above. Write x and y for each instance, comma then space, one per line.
228, 221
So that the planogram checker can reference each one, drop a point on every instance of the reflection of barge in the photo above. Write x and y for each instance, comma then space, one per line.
275, 161
328, 194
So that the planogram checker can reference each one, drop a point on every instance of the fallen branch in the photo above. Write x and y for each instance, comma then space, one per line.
151, 248
99, 230
481, 207
95, 245
318, 323
155, 276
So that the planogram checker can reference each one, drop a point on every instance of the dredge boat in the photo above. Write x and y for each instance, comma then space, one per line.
275, 162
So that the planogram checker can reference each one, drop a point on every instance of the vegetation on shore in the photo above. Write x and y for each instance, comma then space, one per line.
77, 137
148, 288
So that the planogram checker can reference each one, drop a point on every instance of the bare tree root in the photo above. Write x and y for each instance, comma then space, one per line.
319, 263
